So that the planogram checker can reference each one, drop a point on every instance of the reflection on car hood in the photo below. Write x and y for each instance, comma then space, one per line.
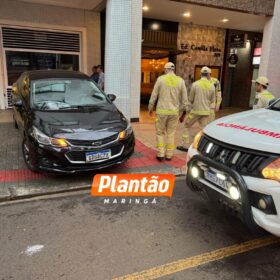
254, 129
91, 123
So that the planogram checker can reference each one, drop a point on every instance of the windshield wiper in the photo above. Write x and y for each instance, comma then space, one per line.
78, 107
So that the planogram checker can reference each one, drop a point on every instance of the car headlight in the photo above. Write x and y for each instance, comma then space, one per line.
125, 133
272, 171
41, 138
197, 139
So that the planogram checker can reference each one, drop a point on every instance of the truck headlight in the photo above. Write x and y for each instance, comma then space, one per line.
197, 139
41, 138
272, 171
125, 133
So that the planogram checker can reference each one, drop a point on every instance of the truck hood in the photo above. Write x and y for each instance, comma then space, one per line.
254, 129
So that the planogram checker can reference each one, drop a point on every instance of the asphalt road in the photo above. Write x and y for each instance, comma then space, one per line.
80, 237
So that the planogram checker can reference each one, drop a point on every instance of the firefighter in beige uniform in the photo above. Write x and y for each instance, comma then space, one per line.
263, 96
170, 93
201, 97
215, 107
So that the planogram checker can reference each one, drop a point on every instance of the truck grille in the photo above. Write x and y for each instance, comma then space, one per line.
244, 161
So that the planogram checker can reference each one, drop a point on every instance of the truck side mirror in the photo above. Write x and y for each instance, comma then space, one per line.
112, 97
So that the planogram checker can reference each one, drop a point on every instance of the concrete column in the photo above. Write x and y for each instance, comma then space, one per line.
123, 54
270, 60
2, 82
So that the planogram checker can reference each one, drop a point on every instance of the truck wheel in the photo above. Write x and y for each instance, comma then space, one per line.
254, 227
27, 156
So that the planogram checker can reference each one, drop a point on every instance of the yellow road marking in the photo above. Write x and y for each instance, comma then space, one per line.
191, 262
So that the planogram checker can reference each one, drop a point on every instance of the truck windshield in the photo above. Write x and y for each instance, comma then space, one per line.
276, 106
58, 94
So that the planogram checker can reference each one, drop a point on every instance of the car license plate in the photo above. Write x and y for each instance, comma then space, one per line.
94, 156
212, 177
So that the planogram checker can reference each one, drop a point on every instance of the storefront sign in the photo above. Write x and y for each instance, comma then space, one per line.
17, 61
233, 59
238, 40
204, 48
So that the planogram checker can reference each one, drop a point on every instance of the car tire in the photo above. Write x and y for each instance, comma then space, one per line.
27, 156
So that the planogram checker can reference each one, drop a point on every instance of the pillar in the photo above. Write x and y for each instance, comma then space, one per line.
123, 54
270, 59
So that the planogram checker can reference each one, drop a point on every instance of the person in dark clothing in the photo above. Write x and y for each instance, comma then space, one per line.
95, 75
101, 77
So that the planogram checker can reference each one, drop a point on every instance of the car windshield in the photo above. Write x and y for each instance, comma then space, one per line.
275, 106
58, 94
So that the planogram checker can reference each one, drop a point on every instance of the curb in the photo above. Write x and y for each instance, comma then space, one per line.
42, 194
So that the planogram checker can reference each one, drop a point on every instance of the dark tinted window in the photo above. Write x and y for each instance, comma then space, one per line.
276, 106
18, 62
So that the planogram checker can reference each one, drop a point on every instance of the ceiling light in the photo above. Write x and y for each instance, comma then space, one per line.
145, 8
187, 14
224, 20
155, 26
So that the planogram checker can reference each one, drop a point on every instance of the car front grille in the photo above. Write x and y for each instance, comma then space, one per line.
93, 143
244, 161
80, 156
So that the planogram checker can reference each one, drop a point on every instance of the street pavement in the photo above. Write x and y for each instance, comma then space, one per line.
79, 237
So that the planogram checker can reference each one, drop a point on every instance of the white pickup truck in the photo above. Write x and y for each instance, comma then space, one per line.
235, 161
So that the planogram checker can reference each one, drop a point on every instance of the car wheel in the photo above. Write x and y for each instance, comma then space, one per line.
27, 156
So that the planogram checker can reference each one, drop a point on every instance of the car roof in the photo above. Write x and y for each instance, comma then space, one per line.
47, 74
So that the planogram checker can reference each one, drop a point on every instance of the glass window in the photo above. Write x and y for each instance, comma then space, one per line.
56, 94
18, 62
276, 106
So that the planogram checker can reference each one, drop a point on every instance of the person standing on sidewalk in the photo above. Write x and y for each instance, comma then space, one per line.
170, 93
201, 96
263, 96
101, 77
218, 93
94, 76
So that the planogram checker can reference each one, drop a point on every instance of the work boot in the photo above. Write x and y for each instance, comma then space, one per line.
160, 158
169, 159
182, 148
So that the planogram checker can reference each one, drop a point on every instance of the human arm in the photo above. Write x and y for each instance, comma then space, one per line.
154, 96
218, 96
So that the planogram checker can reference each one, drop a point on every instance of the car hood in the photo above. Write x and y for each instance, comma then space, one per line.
254, 129
92, 123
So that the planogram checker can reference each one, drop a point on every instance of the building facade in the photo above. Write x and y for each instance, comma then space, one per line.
34, 36
37, 35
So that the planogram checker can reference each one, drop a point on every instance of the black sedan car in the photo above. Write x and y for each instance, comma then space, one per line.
67, 124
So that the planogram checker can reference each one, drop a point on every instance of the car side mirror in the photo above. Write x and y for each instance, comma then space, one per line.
112, 97
18, 104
